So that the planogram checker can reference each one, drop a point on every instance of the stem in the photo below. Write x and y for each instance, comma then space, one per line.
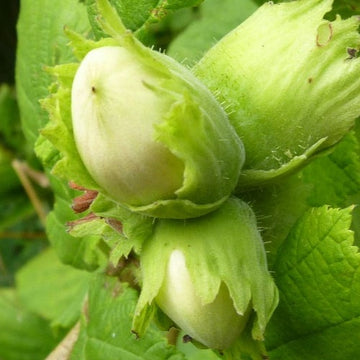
22, 171
37, 176
64, 349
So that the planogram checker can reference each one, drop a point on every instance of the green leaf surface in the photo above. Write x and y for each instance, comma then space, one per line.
11, 136
335, 177
51, 289
23, 335
317, 272
42, 42
216, 19
106, 328
8, 179
14, 207
11, 139
346, 8
133, 13
138, 15
21, 234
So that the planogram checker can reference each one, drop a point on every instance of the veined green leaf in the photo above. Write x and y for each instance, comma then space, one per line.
138, 15
42, 42
10, 131
317, 272
106, 327
335, 177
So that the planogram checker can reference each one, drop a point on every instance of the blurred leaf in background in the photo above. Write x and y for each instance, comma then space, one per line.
214, 20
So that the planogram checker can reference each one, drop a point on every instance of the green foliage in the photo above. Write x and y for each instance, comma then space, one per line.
10, 128
317, 272
24, 335
106, 327
336, 177
138, 16
42, 42
214, 20
52, 290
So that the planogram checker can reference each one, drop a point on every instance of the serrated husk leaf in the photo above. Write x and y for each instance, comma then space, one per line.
221, 249
292, 82
191, 158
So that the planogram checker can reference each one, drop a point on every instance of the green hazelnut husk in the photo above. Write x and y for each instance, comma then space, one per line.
291, 81
210, 276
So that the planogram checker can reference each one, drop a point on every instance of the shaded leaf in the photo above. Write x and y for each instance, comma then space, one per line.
138, 16
216, 18
42, 42
336, 177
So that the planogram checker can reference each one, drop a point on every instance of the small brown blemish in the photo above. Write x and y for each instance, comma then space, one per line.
93, 89
90, 217
115, 224
351, 52
186, 339
310, 80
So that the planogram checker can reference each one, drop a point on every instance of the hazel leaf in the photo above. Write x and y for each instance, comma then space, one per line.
317, 272
106, 327
42, 43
